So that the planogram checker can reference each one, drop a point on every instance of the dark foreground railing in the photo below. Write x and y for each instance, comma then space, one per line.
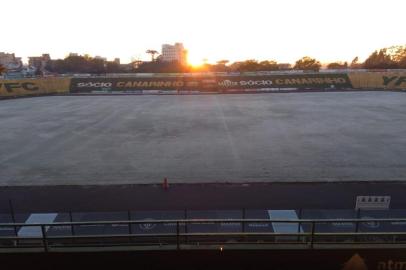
201, 234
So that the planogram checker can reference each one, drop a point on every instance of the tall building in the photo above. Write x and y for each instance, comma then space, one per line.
10, 61
39, 62
175, 52
6, 58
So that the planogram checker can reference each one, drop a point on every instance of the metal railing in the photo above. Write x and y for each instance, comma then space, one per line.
198, 233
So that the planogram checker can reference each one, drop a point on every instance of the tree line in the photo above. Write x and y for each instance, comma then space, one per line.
87, 64
387, 58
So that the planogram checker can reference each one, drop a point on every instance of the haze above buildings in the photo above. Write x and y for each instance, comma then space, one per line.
282, 30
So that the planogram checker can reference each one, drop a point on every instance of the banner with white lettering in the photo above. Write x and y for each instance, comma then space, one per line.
211, 83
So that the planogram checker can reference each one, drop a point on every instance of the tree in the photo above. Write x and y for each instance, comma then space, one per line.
223, 62
337, 65
269, 65
355, 64
387, 58
76, 64
398, 54
152, 53
136, 63
96, 65
2, 69
307, 63
254, 65
247, 65
79, 64
220, 66
284, 66
112, 67
57, 66
380, 59
38, 72
161, 67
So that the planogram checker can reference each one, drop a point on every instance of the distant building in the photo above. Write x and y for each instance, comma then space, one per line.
100, 58
284, 66
9, 59
6, 58
73, 54
39, 62
11, 62
175, 52
117, 60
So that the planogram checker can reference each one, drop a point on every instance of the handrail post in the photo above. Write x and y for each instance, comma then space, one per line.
298, 231
356, 230
243, 217
130, 229
13, 218
186, 223
186, 231
44, 238
298, 225
177, 236
312, 235
357, 224
72, 229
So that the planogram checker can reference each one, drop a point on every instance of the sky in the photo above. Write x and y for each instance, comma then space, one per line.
281, 30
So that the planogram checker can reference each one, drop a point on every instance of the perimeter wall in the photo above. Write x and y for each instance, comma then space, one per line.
378, 80
175, 83
32, 87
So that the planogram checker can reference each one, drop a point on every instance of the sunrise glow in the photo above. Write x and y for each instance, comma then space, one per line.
281, 30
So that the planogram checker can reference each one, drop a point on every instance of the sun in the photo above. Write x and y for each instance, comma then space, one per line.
195, 62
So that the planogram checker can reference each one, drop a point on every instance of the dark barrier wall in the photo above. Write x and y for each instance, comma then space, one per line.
211, 83
339, 259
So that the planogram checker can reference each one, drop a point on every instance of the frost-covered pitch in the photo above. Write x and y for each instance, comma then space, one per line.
341, 136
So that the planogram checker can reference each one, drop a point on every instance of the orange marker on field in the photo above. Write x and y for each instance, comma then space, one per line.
165, 184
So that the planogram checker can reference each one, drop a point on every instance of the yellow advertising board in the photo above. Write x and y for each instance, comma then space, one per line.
386, 80
378, 80
27, 87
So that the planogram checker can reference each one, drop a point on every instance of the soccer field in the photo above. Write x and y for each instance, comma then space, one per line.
290, 137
